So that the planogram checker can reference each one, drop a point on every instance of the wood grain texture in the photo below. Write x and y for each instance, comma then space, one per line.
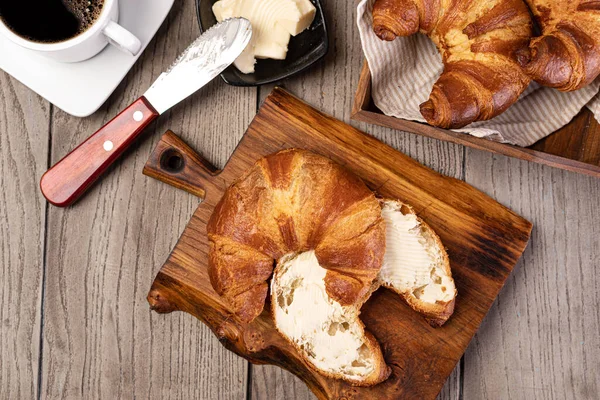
274, 383
539, 340
579, 140
23, 158
171, 158
484, 241
177, 356
100, 339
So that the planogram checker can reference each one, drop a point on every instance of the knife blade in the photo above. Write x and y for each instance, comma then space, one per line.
200, 63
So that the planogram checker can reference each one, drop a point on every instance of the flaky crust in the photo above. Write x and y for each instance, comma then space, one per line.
479, 42
567, 54
288, 202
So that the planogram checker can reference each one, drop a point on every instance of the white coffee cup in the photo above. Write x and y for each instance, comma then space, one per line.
87, 44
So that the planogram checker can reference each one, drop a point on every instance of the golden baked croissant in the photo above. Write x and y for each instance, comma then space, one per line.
567, 55
477, 40
290, 202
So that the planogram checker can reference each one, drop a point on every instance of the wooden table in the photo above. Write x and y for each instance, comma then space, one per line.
74, 321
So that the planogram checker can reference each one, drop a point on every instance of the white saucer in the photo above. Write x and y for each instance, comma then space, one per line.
81, 88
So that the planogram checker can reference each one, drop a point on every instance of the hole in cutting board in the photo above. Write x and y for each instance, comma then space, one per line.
172, 161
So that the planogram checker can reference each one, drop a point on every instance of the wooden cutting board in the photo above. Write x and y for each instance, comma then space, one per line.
484, 241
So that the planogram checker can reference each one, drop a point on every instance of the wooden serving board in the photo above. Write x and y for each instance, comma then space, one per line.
484, 241
574, 147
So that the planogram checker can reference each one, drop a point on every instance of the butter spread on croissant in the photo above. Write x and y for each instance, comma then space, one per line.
330, 336
416, 265
326, 243
290, 202
567, 54
478, 42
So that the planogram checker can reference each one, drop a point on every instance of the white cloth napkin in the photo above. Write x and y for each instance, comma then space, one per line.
403, 72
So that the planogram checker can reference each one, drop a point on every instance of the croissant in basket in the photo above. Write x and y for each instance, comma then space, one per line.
291, 202
478, 42
567, 55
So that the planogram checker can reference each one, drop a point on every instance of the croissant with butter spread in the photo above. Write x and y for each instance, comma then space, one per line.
292, 202
567, 54
478, 41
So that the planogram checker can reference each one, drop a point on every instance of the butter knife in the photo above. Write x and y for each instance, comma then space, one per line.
201, 62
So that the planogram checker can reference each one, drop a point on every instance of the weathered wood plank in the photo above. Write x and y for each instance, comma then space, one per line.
538, 341
274, 383
540, 338
100, 339
24, 120
329, 86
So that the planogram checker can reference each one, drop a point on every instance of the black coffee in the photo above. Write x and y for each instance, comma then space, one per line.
49, 21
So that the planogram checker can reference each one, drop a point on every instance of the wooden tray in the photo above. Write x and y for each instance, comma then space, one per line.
575, 147
484, 241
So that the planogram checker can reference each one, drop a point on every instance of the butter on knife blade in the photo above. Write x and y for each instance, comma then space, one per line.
200, 63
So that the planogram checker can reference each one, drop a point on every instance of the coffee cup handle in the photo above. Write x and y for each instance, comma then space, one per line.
122, 39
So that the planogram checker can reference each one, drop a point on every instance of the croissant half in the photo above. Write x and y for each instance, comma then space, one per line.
567, 54
479, 42
291, 202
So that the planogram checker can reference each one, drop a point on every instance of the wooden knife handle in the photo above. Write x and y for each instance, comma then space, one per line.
174, 162
66, 181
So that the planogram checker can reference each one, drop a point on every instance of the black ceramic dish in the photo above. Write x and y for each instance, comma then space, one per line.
303, 51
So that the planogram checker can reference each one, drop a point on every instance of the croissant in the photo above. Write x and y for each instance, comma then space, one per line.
290, 202
567, 55
478, 42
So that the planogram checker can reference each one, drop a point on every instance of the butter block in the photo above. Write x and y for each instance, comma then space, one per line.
273, 23
307, 15
275, 48
246, 61
224, 9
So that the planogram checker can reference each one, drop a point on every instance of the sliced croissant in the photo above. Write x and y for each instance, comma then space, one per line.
478, 41
290, 202
327, 334
416, 265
